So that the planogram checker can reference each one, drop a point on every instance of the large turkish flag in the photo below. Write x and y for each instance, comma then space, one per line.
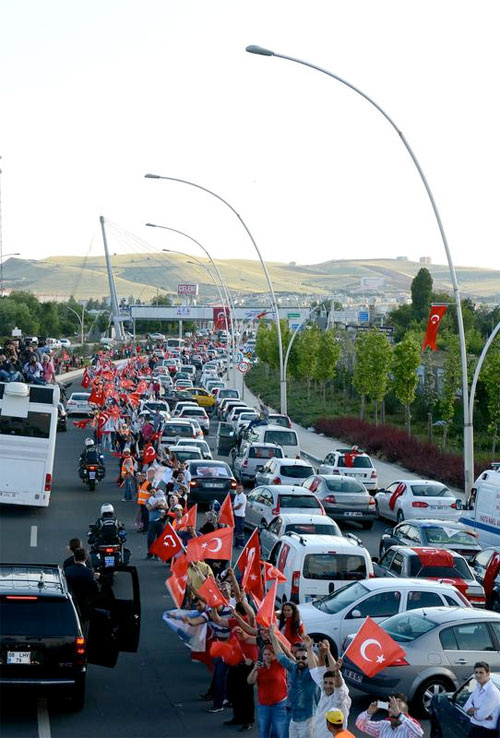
372, 649
435, 317
166, 545
216, 545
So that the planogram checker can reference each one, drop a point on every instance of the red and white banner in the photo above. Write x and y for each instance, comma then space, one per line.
435, 317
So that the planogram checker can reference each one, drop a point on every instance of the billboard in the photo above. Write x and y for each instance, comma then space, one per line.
187, 289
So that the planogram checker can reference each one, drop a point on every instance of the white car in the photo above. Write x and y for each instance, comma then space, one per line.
244, 419
300, 523
196, 413
54, 343
65, 342
202, 445
350, 462
415, 499
78, 404
284, 471
181, 405
156, 336
264, 503
344, 611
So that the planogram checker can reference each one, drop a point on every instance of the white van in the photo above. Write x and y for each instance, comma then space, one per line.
317, 565
276, 434
482, 511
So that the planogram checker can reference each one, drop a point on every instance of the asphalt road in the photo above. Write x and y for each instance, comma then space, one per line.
152, 693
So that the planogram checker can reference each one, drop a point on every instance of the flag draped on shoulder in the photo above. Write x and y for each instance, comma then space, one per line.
193, 636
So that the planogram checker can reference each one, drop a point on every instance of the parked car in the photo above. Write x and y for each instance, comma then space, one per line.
62, 418
65, 342
156, 336
287, 438
479, 565
279, 419
433, 534
244, 419
441, 645
78, 404
201, 444
210, 480
203, 397
179, 406
196, 413
316, 565
156, 406
186, 453
350, 462
343, 498
343, 612
284, 471
264, 503
252, 457
432, 563
448, 717
416, 498
174, 429
301, 523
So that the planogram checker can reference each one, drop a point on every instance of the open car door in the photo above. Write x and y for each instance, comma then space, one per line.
226, 438
102, 641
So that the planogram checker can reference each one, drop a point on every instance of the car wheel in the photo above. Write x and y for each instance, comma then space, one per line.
427, 690
400, 517
317, 637
367, 524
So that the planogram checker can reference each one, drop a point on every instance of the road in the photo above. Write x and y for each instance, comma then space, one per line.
154, 693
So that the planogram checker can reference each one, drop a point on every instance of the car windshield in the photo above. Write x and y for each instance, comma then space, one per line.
296, 471
281, 438
185, 455
344, 485
279, 420
228, 393
39, 618
459, 570
341, 599
358, 462
206, 470
447, 536
327, 566
407, 626
194, 411
155, 406
313, 529
430, 490
299, 501
261, 452
178, 430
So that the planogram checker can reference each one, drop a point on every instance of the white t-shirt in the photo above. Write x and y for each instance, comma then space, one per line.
240, 499
339, 700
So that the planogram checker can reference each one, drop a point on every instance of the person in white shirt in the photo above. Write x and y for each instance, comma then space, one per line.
483, 706
334, 691
239, 510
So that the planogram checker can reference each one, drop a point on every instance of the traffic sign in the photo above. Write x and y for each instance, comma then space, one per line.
243, 366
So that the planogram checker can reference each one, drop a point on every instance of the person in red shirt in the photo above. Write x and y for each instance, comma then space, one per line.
238, 691
289, 623
272, 692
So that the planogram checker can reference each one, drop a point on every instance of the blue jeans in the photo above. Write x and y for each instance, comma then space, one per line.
129, 488
239, 530
275, 716
219, 681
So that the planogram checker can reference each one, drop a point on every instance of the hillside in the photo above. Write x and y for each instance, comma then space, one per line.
143, 275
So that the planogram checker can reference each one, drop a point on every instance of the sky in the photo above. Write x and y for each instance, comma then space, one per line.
96, 93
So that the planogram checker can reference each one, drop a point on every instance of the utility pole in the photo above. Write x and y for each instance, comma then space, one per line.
115, 312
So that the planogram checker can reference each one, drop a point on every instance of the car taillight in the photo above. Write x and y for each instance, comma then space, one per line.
21, 597
374, 474
276, 510
371, 501
48, 482
330, 499
233, 483
80, 650
295, 582
277, 480
454, 505
92, 468
476, 599
419, 504
400, 662
110, 549
193, 483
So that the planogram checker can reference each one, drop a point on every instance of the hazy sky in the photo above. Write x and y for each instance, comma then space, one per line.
95, 93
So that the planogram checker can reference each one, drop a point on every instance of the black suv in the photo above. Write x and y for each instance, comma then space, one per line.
42, 642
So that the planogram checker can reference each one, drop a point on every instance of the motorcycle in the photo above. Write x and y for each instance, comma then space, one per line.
91, 474
106, 558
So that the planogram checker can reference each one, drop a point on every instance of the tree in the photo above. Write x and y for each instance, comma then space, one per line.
490, 378
49, 320
328, 356
405, 362
360, 377
379, 362
307, 355
452, 384
421, 293
262, 343
429, 391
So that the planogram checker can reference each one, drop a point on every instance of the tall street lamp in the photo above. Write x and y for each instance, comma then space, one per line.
2, 257
468, 430
80, 318
264, 267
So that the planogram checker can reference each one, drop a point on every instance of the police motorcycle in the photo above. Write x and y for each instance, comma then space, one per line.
106, 539
91, 469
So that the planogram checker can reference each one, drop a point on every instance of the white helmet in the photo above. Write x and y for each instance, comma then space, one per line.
89, 442
107, 508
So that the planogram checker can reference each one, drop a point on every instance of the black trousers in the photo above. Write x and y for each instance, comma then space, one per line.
240, 693
477, 731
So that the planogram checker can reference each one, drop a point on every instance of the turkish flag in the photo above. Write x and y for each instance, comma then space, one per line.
97, 395
85, 379
372, 649
251, 581
229, 651
81, 423
177, 588
166, 545
126, 384
211, 593
435, 317
226, 515
142, 387
434, 556
251, 550
271, 572
133, 399
102, 419
188, 520
221, 318
491, 573
266, 614
148, 454
179, 565
279, 635
215, 545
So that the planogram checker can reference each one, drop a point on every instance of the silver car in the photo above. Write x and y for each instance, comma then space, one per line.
251, 459
441, 646
297, 523
343, 498
264, 503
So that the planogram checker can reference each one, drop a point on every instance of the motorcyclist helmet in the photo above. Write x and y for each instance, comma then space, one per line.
89, 442
107, 509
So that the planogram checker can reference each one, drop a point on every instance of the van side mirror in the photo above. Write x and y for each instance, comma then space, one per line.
459, 505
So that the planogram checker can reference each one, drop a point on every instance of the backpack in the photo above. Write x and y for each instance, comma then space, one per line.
108, 531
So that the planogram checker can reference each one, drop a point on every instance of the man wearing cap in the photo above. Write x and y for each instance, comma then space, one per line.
335, 720
334, 691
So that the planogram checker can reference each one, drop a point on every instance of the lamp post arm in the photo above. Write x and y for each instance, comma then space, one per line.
479, 367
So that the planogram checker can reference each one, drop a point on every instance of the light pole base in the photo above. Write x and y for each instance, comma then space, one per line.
283, 397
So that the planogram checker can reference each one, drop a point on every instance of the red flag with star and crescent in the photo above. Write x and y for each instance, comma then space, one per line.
372, 649
215, 545
226, 515
251, 550
251, 581
435, 317
166, 545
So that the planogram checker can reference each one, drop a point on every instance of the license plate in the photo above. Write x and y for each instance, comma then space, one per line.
353, 514
19, 657
354, 676
213, 485
109, 561
434, 507
91, 475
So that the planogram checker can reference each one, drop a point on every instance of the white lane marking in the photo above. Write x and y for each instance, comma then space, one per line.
34, 536
43, 719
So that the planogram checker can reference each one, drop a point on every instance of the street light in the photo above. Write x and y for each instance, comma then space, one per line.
268, 278
468, 430
2, 257
80, 318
